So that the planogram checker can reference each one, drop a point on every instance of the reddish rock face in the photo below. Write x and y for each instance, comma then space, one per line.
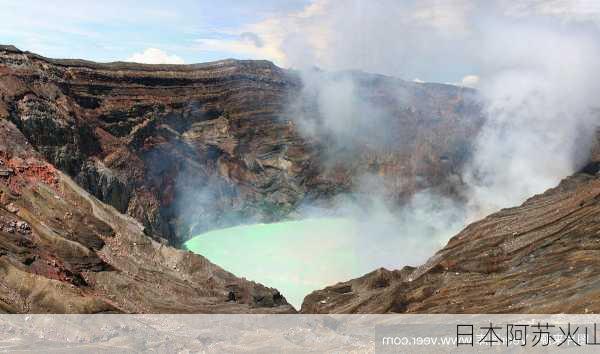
188, 148
64, 251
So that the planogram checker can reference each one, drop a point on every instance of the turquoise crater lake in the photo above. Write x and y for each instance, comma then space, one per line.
296, 257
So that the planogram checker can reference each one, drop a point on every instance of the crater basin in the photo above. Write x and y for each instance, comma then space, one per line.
296, 257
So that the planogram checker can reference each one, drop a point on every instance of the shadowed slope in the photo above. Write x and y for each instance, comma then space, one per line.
63, 251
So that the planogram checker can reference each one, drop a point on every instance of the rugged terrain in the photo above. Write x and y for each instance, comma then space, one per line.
64, 251
540, 257
103, 167
187, 148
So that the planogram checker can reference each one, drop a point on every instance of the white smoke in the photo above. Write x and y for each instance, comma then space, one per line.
536, 73
385, 234
537, 79
393, 237
335, 106
539, 92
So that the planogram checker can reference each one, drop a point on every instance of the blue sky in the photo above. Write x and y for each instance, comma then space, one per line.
114, 30
429, 40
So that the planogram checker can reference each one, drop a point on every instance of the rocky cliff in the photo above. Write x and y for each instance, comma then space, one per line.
187, 148
103, 165
64, 251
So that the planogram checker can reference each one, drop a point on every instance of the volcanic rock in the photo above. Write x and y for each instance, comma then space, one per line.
64, 251
188, 148
103, 165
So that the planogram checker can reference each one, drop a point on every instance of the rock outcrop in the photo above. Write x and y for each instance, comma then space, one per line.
64, 251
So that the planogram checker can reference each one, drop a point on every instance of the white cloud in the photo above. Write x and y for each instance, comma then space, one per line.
429, 39
335, 35
256, 48
155, 56
451, 17
566, 10
470, 81
417, 80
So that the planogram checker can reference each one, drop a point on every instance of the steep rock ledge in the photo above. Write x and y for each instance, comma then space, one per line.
187, 148
64, 251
